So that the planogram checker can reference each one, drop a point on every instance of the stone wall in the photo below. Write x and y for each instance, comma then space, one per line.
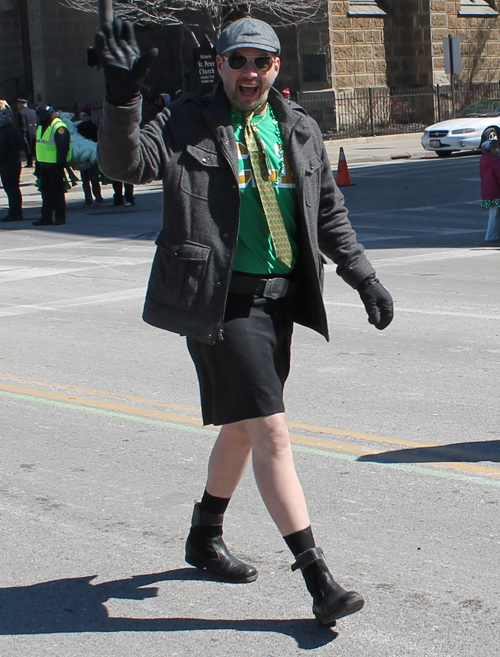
59, 40
11, 59
407, 37
405, 47
479, 37
393, 43
357, 48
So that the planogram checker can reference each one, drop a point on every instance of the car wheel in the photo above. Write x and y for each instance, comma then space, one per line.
489, 133
443, 153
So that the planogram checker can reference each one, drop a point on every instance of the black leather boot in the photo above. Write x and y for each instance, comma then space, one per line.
330, 600
206, 549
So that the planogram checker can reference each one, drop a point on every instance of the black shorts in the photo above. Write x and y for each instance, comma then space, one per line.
243, 374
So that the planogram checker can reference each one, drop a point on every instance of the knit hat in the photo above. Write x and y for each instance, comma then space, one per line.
248, 33
490, 145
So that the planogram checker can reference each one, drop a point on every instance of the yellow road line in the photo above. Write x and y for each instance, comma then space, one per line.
96, 403
360, 450
308, 441
354, 434
100, 393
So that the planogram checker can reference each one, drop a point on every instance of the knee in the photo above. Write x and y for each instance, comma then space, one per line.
236, 433
271, 440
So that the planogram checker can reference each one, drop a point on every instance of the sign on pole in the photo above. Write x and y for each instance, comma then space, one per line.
452, 63
206, 66
452, 55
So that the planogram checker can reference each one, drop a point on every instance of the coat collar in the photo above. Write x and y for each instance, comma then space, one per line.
291, 116
292, 119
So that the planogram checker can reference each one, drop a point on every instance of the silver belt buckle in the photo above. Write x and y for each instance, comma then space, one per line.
276, 288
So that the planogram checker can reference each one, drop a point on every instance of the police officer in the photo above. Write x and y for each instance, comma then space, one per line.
28, 125
53, 152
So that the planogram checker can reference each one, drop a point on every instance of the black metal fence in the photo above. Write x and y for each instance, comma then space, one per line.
365, 112
384, 111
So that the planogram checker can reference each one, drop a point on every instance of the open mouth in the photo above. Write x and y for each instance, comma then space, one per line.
248, 90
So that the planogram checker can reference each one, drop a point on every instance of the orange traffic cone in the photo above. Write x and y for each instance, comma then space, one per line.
343, 178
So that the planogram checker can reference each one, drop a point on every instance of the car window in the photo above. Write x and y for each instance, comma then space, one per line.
490, 107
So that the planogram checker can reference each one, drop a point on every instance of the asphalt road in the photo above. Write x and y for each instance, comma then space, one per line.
395, 435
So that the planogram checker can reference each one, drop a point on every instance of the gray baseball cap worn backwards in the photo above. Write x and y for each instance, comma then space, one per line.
248, 33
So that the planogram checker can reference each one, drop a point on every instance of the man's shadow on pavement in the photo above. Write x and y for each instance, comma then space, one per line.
488, 450
77, 605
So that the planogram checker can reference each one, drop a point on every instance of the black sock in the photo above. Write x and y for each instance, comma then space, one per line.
299, 542
211, 504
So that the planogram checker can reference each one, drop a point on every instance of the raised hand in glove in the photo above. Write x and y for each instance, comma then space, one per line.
377, 302
121, 60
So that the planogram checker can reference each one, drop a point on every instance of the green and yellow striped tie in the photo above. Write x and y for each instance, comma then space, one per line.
262, 174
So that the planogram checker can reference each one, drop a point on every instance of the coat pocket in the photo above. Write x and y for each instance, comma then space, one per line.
203, 172
178, 272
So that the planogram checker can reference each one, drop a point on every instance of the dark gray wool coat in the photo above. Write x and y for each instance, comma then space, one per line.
191, 147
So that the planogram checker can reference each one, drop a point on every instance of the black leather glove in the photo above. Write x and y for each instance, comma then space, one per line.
120, 58
377, 301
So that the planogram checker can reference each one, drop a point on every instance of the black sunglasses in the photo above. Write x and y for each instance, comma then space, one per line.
238, 62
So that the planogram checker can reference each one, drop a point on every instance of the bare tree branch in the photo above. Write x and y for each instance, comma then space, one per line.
201, 12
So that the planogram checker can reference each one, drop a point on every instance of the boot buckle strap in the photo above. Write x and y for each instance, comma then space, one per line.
204, 518
307, 558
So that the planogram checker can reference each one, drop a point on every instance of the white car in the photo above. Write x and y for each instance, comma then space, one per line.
474, 125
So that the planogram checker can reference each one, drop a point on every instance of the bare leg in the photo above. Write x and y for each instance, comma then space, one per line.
275, 473
228, 460
268, 439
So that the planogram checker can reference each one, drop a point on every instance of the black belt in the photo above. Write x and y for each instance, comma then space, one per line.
271, 288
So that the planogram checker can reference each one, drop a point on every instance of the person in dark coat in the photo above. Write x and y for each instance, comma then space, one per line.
489, 169
28, 124
250, 207
88, 129
10, 163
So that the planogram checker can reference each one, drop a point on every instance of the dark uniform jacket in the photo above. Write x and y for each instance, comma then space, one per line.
192, 148
28, 123
10, 145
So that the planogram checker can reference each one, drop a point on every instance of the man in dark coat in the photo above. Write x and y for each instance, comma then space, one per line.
250, 207
28, 124
10, 163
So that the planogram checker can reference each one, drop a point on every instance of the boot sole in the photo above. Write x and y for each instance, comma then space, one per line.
349, 607
193, 560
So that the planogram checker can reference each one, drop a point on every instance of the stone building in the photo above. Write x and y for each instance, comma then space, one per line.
357, 44
400, 43
44, 49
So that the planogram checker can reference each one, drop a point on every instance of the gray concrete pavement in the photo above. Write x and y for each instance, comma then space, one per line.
386, 148
395, 438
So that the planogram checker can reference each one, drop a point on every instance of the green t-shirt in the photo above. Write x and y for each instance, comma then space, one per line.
255, 252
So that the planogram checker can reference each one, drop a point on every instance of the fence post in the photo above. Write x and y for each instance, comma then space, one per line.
439, 102
370, 97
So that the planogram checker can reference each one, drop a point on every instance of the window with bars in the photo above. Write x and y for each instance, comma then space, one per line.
365, 8
477, 8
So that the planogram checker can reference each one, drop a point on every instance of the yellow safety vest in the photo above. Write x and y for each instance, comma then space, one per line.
46, 149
